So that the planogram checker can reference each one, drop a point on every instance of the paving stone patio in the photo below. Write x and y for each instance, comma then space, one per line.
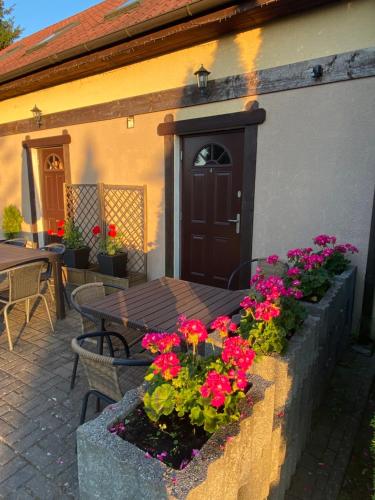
39, 413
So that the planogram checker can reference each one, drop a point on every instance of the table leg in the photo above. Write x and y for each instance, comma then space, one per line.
59, 294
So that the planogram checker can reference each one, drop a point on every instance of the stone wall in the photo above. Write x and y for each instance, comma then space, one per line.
261, 456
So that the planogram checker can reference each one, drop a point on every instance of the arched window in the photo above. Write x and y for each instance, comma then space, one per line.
212, 154
53, 162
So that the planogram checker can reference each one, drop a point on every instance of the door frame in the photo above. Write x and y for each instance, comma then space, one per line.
35, 179
173, 131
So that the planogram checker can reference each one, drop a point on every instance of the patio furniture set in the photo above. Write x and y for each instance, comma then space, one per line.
113, 320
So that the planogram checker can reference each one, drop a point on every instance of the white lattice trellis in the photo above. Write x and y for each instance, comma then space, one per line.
125, 206
100, 204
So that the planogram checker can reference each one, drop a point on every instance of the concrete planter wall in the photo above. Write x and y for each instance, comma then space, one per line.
260, 460
114, 469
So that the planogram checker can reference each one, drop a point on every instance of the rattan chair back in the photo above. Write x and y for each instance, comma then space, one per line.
85, 294
278, 269
24, 281
17, 242
101, 374
267, 269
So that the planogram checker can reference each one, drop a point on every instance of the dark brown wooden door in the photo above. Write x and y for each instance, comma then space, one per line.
53, 178
211, 203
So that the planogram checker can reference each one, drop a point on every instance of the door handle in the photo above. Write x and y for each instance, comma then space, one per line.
237, 222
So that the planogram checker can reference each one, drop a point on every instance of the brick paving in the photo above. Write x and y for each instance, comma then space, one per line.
39, 414
323, 464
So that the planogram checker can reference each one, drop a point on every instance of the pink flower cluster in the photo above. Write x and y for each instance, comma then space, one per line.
160, 342
272, 289
167, 364
347, 247
224, 325
304, 258
322, 240
266, 310
217, 386
193, 330
237, 352
272, 259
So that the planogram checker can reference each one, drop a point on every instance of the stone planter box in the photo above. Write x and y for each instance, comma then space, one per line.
132, 279
261, 460
114, 469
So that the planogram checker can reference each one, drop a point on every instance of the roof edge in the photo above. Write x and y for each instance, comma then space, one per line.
235, 18
195, 7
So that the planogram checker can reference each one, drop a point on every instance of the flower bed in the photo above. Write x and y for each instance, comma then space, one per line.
110, 467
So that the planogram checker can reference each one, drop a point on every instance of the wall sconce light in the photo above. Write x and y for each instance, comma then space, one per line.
317, 71
130, 122
37, 113
202, 79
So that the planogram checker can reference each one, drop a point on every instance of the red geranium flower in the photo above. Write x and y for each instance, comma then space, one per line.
50, 232
112, 233
96, 230
112, 227
60, 223
60, 232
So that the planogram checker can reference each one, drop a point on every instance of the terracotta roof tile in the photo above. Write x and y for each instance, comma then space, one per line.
91, 24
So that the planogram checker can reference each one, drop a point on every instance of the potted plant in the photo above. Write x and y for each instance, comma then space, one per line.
12, 220
112, 259
76, 253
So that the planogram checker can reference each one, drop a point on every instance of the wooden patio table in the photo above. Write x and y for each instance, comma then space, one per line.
11, 256
156, 305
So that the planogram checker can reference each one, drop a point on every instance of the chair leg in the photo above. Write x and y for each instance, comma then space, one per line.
74, 373
50, 291
66, 298
7, 327
84, 407
99, 396
27, 310
48, 313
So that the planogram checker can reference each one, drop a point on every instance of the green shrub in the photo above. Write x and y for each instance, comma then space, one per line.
72, 235
12, 220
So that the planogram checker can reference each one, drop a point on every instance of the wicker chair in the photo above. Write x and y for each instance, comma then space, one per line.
85, 294
18, 242
103, 371
24, 285
277, 269
46, 277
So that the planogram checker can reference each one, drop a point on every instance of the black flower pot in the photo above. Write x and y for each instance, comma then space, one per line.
77, 257
114, 265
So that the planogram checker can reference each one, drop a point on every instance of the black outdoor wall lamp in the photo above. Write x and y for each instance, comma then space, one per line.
37, 114
202, 79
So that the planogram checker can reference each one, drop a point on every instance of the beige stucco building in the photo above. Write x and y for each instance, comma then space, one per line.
310, 158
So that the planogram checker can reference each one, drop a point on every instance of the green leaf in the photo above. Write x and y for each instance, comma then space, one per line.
162, 399
196, 416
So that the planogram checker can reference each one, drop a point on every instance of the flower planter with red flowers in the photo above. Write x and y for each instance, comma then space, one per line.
76, 252
112, 259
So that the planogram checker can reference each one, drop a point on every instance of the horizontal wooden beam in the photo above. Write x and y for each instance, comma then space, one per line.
336, 68
228, 121
47, 142
238, 17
